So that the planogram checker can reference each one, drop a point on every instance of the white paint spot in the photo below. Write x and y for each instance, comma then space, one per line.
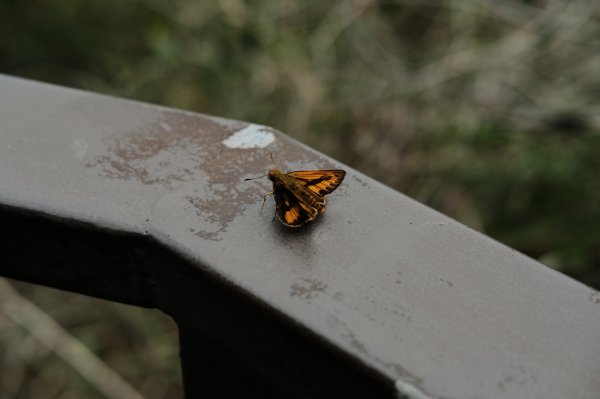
410, 391
80, 148
252, 136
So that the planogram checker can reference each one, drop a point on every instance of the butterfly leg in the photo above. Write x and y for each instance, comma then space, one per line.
264, 199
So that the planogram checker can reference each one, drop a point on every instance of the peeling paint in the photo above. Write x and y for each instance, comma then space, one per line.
307, 288
159, 154
177, 149
252, 136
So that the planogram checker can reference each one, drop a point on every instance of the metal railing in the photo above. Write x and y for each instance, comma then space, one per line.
379, 297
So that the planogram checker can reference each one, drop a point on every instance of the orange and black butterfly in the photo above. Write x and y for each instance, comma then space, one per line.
300, 195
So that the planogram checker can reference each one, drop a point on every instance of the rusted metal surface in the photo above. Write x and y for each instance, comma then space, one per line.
148, 205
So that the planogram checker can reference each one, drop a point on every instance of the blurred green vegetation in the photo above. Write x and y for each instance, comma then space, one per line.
484, 110
139, 345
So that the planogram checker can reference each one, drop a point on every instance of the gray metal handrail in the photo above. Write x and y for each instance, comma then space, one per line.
379, 297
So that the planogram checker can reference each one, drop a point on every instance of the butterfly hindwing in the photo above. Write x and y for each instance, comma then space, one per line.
290, 210
321, 182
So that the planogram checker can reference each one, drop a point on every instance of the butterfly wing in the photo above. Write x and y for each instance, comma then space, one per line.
290, 210
320, 182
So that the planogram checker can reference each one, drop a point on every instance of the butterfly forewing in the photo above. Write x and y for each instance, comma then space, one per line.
321, 182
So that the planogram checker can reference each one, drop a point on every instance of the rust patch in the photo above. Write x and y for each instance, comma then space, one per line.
307, 288
169, 150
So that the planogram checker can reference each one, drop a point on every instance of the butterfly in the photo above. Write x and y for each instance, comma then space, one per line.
300, 195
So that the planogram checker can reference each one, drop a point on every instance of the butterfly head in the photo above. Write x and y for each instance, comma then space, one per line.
274, 175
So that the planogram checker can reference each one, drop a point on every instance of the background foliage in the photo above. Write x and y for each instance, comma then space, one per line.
485, 110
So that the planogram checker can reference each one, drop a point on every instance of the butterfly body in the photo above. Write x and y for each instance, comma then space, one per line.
300, 195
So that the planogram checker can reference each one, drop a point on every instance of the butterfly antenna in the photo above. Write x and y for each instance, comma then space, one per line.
254, 178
